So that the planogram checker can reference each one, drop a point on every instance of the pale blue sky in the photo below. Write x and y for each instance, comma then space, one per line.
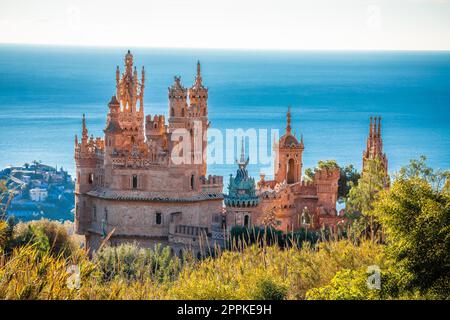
247, 24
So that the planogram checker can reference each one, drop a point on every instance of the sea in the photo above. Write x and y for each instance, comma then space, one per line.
44, 90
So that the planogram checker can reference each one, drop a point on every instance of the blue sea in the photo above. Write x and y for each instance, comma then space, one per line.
45, 90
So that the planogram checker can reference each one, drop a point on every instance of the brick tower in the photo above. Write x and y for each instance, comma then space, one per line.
288, 162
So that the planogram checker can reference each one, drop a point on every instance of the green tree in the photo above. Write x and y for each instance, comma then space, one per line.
348, 174
361, 199
415, 215
322, 164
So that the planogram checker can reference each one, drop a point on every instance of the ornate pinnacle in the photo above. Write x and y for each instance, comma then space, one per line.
379, 126
288, 118
242, 151
84, 129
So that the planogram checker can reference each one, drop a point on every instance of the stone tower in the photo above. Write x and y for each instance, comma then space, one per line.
374, 147
130, 95
192, 116
87, 161
288, 162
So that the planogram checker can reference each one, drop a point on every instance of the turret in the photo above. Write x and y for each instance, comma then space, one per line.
130, 95
177, 100
88, 154
326, 181
289, 151
374, 145
198, 95
113, 130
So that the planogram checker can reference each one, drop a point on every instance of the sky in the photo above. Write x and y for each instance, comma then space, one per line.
230, 24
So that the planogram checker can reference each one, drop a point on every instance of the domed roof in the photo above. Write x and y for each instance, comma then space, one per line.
288, 140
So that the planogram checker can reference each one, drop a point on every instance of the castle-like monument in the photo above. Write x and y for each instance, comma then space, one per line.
287, 202
145, 180
131, 184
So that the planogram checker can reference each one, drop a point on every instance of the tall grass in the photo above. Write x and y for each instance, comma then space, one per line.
128, 272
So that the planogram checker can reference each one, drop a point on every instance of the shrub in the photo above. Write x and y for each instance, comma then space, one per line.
46, 234
268, 290
129, 262
345, 285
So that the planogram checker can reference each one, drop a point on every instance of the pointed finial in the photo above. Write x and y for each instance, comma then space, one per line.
375, 126
242, 160
84, 129
379, 126
288, 120
198, 68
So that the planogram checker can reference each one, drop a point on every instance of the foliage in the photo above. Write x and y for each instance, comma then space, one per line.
349, 177
346, 285
240, 275
254, 273
322, 164
416, 216
130, 262
327, 164
46, 234
361, 199
3, 234
269, 290
240, 235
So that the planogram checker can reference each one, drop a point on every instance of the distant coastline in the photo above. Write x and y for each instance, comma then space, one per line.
37, 191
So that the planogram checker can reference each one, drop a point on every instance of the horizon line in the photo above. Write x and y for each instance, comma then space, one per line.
111, 46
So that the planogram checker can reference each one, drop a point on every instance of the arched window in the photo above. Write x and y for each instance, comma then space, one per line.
158, 218
135, 181
192, 182
291, 171
182, 112
91, 178
94, 213
172, 112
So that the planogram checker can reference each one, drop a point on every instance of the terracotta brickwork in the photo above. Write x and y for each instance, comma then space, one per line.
128, 181
287, 202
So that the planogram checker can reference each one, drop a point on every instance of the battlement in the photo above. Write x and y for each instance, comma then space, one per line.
211, 180
326, 174
89, 149
155, 124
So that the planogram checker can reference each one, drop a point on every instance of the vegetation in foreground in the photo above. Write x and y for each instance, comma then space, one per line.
404, 231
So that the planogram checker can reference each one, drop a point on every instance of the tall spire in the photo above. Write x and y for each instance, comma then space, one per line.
375, 126
242, 162
371, 128
379, 126
288, 120
84, 130
242, 151
198, 77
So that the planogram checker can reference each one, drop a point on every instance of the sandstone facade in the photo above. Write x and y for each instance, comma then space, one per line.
137, 183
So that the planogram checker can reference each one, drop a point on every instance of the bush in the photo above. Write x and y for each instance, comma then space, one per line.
244, 236
268, 290
345, 285
46, 235
130, 262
